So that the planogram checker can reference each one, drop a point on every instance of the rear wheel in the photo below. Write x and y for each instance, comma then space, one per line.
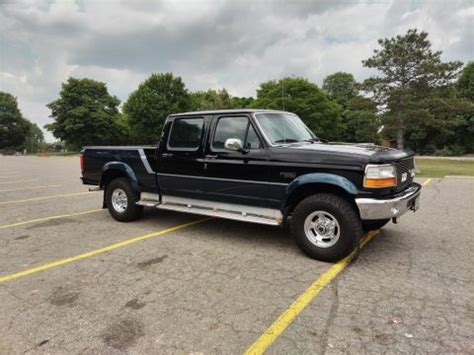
121, 200
326, 227
375, 224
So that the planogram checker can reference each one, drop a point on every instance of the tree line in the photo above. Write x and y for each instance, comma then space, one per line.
17, 132
415, 101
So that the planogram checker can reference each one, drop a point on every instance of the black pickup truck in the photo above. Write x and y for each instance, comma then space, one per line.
259, 166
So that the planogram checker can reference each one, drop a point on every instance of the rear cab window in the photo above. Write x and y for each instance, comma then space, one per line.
186, 133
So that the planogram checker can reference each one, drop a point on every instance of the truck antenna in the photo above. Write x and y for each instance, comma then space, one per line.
282, 95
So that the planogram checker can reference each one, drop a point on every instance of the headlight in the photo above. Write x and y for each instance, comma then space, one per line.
378, 176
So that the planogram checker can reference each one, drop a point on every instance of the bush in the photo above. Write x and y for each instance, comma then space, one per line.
451, 151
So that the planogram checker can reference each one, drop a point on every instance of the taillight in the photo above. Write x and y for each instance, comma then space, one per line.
82, 162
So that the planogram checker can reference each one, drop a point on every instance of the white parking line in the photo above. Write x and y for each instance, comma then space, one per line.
44, 219
16, 181
30, 188
10, 173
10, 177
47, 197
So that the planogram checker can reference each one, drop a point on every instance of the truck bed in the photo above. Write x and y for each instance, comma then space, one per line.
141, 160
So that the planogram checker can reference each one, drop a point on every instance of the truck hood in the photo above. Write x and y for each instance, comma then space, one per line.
345, 153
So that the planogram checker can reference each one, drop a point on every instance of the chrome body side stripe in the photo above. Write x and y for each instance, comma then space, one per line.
145, 162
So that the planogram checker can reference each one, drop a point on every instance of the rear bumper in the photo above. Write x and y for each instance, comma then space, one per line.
373, 209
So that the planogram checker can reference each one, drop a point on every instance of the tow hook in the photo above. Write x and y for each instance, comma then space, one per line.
395, 220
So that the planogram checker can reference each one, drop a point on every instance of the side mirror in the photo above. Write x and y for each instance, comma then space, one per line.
233, 144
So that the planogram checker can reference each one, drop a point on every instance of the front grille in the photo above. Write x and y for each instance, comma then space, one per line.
404, 167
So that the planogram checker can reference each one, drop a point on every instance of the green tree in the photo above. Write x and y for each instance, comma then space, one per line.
149, 105
14, 128
35, 140
211, 100
362, 123
359, 115
85, 114
242, 102
218, 99
412, 78
464, 135
341, 87
439, 115
465, 83
307, 100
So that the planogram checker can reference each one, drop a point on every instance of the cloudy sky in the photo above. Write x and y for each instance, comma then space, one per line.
210, 43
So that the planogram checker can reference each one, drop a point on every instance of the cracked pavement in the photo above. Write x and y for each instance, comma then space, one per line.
214, 287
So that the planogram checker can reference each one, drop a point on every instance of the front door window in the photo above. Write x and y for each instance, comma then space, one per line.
235, 127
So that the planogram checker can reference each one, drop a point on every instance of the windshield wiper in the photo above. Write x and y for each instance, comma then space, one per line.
287, 140
312, 140
315, 140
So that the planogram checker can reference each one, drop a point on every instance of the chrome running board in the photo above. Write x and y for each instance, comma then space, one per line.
147, 203
242, 216
214, 209
148, 199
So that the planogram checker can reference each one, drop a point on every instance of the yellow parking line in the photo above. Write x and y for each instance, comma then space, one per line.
29, 188
289, 315
46, 197
16, 181
426, 182
48, 218
96, 252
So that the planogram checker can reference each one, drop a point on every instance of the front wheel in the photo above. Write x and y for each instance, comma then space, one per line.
121, 199
326, 227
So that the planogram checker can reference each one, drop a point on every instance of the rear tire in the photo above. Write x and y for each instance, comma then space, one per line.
375, 224
326, 227
120, 199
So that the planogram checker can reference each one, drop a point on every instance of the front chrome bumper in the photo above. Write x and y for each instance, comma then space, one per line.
372, 208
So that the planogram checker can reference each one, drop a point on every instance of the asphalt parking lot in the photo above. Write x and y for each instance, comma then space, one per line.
73, 280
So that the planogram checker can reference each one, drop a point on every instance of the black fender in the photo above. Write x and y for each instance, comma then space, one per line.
115, 169
318, 178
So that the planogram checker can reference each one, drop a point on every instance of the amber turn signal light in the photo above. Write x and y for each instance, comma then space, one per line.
380, 176
377, 183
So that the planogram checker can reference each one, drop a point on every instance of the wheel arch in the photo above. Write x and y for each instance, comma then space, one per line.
115, 169
310, 184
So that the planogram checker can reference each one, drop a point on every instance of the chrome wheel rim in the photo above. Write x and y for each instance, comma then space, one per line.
119, 200
322, 229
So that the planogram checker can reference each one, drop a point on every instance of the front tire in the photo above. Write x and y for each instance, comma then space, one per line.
120, 199
326, 227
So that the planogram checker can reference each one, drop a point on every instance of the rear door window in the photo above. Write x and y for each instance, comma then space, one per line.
186, 133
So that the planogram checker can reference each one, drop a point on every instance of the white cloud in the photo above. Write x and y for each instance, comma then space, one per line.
210, 43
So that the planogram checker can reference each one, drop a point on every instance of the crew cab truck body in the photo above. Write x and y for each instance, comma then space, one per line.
259, 166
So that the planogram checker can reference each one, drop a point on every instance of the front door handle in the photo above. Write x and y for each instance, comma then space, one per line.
211, 156
167, 155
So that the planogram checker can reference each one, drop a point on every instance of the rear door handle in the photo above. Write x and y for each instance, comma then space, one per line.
211, 156
167, 155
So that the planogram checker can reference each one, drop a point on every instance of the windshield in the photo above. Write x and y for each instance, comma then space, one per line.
284, 128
